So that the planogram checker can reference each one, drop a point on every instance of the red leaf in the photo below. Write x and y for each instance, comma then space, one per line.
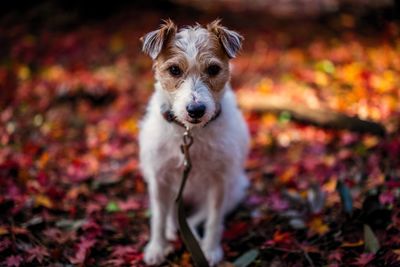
59, 236
364, 259
121, 220
387, 198
4, 244
236, 230
13, 261
37, 253
42, 178
115, 262
129, 204
120, 251
335, 256
123, 255
84, 247
93, 207
92, 229
283, 239
277, 203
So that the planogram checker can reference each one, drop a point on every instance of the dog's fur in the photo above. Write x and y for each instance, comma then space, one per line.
217, 181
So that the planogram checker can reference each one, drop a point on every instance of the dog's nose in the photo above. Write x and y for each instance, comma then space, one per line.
196, 110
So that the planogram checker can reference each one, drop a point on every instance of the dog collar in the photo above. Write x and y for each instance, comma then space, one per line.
169, 116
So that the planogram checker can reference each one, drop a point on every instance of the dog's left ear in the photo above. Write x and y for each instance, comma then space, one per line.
230, 40
155, 41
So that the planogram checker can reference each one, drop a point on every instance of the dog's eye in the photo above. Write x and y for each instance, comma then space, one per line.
213, 70
175, 71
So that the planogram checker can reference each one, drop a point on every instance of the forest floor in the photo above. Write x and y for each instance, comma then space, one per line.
71, 193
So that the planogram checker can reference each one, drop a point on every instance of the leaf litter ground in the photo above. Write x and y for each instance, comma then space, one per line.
71, 190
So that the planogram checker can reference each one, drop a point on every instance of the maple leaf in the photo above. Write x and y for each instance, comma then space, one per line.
129, 204
4, 244
83, 250
115, 262
236, 230
278, 203
42, 200
284, 239
46, 148
58, 236
120, 251
93, 207
92, 229
318, 226
387, 198
125, 255
364, 259
37, 253
13, 261
335, 256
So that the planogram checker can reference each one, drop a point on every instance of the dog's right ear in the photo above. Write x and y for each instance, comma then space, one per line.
154, 41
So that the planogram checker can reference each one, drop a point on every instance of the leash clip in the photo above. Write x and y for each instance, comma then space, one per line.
187, 137
187, 142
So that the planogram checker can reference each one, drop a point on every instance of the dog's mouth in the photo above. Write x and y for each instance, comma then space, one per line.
194, 121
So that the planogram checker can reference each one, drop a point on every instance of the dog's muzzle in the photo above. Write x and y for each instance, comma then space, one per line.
169, 116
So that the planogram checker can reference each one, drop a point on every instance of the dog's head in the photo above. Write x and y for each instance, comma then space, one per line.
192, 67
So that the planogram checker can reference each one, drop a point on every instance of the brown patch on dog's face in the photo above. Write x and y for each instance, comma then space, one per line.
210, 64
213, 65
170, 58
192, 55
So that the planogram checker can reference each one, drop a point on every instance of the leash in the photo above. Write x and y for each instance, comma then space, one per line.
187, 236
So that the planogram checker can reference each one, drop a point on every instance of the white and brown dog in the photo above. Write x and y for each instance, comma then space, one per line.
192, 89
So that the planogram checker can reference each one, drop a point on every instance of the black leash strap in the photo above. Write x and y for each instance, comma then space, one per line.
188, 238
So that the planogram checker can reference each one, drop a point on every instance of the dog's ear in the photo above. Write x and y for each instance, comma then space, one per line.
154, 41
231, 41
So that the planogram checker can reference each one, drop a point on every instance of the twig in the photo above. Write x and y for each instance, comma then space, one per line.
13, 241
308, 258
324, 118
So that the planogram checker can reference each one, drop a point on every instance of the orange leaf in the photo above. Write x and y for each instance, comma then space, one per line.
3, 230
42, 200
353, 244
318, 226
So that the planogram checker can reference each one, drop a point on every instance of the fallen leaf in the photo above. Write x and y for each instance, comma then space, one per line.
13, 261
83, 249
364, 259
44, 201
371, 242
345, 197
3, 230
316, 225
37, 253
247, 258
129, 204
236, 230
353, 244
5, 244
112, 206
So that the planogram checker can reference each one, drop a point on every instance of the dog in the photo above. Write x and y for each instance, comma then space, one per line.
192, 90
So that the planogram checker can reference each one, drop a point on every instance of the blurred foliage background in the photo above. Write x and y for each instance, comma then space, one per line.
319, 84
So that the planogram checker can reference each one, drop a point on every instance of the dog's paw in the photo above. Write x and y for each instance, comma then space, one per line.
154, 253
171, 234
214, 256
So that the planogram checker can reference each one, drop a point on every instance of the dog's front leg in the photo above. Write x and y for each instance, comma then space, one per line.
160, 202
211, 243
